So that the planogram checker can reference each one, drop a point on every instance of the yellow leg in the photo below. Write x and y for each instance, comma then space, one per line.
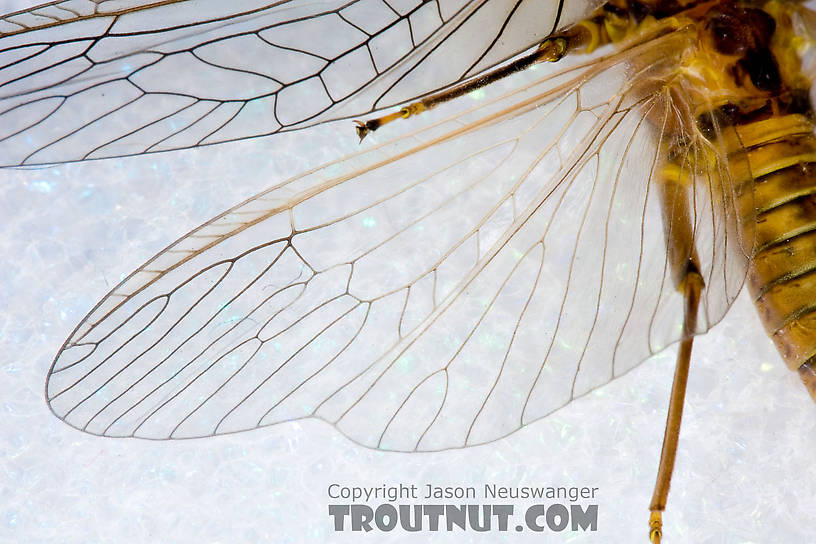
675, 191
550, 50
692, 287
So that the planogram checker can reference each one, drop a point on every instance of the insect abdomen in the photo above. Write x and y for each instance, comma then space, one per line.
782, 274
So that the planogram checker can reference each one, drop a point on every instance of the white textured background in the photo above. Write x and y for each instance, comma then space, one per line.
745, 470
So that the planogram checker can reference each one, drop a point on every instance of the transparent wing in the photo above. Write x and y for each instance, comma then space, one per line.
83, 79
437, 291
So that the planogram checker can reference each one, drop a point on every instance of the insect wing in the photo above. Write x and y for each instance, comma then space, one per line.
81, 80
414, 306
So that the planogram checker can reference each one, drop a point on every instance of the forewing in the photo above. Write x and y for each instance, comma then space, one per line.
438, 291
82, 80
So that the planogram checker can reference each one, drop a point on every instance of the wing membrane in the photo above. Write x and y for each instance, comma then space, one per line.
437, 291
82, 80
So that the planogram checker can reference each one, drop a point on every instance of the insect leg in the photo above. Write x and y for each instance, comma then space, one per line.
550, 50
692, 288
683, 260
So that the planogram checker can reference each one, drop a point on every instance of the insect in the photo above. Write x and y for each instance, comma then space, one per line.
88, 395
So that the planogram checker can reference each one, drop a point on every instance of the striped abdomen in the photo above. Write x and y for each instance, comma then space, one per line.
782, 273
